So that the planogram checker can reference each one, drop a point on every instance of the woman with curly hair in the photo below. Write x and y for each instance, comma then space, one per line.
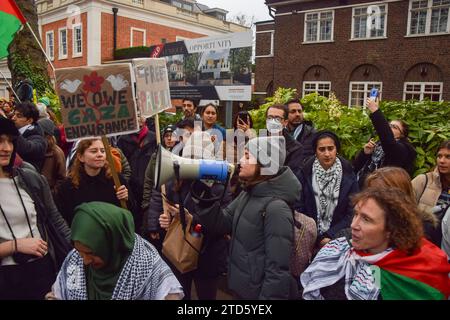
395, 177
89, 180
387, 258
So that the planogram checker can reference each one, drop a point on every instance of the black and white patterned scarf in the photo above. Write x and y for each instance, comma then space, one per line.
145, 276
326, 186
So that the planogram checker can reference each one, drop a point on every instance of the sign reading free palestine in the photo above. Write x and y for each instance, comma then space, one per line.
97, 101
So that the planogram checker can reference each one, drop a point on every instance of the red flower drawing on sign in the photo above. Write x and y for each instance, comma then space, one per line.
93, 83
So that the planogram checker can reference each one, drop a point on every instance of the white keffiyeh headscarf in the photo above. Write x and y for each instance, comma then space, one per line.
326, 186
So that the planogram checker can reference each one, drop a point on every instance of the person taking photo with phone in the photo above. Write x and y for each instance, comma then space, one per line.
393, 148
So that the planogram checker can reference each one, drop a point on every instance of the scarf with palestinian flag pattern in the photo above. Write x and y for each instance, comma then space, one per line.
393, 274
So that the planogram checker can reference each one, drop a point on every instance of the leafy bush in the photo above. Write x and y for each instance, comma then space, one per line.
133, 52
428, 122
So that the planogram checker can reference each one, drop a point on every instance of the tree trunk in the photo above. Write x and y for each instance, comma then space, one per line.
26, 60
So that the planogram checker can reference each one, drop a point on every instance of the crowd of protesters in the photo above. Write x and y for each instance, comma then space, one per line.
64, 233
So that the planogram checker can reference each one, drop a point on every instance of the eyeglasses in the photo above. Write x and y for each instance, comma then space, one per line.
395, 126
187, 105
277, 118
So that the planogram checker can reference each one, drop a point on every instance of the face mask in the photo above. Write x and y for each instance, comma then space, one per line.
274, 126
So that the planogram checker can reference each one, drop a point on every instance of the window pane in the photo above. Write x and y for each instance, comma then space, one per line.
311, 31
325, 30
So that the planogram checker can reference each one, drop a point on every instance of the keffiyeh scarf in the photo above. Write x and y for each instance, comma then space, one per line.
392, 273
326, 186
145, 276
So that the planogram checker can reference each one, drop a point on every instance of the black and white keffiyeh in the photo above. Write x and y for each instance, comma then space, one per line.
326, 186
145, 276
337, 259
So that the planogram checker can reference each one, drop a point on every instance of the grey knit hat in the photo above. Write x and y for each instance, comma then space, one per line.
270, 152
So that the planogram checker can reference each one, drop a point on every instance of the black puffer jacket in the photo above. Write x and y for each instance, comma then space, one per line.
260, 247
397, 153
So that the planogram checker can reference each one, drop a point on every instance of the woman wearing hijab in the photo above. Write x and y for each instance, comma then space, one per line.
110, 261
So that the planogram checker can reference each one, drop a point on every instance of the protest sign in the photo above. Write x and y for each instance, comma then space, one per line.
97, 101
152, 85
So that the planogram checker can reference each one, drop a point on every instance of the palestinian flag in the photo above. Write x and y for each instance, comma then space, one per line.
11, 21
421, 276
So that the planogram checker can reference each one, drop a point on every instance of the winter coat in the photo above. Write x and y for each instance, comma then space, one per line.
50, 223
32, 146
343, 212
138, 156
97, 188
305, 138
427, 195
260, 246
397, 153
295, 157
54, 168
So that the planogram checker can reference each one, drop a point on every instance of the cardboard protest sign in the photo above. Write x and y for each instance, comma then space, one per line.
152, 85
97, 100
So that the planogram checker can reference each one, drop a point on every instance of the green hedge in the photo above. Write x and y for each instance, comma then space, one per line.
131, 53
429, 122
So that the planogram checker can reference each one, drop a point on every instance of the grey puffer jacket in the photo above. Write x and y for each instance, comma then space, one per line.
260, 247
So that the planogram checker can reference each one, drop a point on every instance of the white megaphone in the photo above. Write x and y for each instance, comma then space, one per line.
194, 169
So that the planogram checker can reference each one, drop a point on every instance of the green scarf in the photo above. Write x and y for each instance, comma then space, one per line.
109, 232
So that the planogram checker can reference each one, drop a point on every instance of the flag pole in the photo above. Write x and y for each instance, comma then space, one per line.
43, 51
9, 84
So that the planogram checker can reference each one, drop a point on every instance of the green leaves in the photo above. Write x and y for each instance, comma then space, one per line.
429, 122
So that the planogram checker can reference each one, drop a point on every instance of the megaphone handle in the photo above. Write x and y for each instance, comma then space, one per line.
176, 169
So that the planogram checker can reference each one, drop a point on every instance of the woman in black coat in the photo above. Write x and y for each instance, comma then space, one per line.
328, 182
89, 180
393, 149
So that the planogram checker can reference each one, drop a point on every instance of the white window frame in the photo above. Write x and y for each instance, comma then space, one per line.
50, 51
74, 40
367, 87
60, 47
133, 29
427, 22
368, 37
318, 27
316, 84
272, 34
422, 89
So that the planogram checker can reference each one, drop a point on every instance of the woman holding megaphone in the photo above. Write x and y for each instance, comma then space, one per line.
213, 253
261, 235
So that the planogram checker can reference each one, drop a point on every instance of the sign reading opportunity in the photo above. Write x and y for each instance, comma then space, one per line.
96, 101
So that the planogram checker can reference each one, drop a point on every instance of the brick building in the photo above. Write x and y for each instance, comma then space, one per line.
81, 32
349, 46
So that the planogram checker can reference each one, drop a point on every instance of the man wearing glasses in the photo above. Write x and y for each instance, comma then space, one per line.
276, 122
31, 143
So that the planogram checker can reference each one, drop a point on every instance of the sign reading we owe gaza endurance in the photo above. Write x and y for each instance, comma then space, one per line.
97, 101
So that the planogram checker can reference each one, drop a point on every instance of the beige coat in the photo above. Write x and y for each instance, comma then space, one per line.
427, 195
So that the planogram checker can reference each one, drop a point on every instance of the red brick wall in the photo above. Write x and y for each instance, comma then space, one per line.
392, 57
69, 62
154, 34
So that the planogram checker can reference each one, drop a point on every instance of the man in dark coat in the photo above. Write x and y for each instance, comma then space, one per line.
31, 144
300, 129
276, 120
138, 149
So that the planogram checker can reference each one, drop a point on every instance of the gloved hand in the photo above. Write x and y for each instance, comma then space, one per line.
205, 195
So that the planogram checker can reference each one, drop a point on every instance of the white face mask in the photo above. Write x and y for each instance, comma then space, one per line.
274, 126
